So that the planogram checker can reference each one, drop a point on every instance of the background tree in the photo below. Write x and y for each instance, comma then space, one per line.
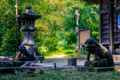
57, 24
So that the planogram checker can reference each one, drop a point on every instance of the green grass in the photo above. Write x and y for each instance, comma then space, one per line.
59, 60
59, 51
73, 74
64, 74
118, 65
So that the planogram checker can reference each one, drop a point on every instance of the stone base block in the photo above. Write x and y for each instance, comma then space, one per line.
99, 63
72, 61
115, 57
98, 69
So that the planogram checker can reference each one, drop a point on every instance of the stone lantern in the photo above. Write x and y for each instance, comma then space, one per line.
28, 18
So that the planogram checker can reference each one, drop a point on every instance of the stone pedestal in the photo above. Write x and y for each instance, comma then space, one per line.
101, 63
98, 69
72, 61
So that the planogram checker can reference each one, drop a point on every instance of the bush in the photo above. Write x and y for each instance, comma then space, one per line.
62, 43
71, 39
8, 44
51, 43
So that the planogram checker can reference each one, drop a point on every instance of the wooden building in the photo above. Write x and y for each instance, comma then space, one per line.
109, 23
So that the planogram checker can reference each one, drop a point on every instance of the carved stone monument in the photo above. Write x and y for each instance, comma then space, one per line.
28, 18
103, 57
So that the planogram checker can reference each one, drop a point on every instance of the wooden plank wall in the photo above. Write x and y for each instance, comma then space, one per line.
108, 24
116, 29
104, 21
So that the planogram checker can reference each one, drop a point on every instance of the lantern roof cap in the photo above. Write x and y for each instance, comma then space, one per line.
28, 14
28, 7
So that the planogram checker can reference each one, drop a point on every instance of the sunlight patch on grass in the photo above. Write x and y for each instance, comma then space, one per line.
61, 51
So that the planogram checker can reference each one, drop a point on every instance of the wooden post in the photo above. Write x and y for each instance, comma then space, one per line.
77, 23
100, 3
90, 31
55, 66
78, 44
19, 32
83, 49
16, 25
111, 29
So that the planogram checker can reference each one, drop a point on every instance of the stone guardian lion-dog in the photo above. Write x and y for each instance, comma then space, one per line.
102, 56
25, 54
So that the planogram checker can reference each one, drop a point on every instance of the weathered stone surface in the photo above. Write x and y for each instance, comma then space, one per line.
28, 28
96, 69
28, 18
11, 64
28, 38
39, 59
7, 58
25, 54
35, 51
72, 61
115, 57
103, 57
97, 63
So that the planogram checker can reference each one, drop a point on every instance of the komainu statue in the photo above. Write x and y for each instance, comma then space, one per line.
25, 54
102, 56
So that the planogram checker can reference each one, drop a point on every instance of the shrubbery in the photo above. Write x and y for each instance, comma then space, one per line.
71, 39
51, 43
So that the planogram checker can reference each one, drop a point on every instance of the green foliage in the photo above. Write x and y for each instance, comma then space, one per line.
62, 43
91, 18
51, 43
60, 51
57, 23
71, 38
7, 27
8, 43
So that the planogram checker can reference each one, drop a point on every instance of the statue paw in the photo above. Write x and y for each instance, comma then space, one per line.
86, 60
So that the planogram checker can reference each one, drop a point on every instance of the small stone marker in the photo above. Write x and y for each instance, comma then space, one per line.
39, 59
72, 61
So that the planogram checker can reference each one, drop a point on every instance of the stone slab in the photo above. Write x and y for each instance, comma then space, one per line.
13, 63
7, 58
98, 69
115, 57
11, 66
58, 64
46, 66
